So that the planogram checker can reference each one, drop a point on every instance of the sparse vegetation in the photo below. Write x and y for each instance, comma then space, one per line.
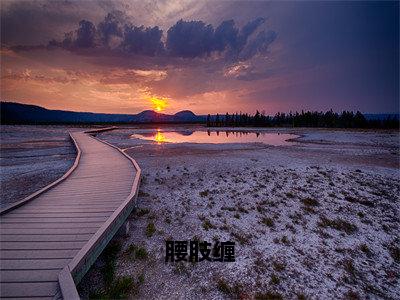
241, 238
142, 211
204, 193
150, 229
348, 266
278, 266
109, 256
233, 291
275, 279
268, 221
310, 202
394, 252
338, 224
120, 288
136, 252
207, 225
268, 296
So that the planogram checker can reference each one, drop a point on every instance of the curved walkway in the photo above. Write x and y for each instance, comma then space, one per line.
48, 243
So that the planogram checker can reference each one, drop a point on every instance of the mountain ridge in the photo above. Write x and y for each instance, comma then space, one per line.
18, 113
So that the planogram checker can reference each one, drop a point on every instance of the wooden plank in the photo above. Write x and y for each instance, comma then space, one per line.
82, 198
78, 193
49, 225
48, 230
41, 245
37, 254
35, 298
45, 238
29, 275
54, 220
60, 214
29, 289
33, 264
79, 205
88, 209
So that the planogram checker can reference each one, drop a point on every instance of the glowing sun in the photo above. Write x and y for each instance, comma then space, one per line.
159, 104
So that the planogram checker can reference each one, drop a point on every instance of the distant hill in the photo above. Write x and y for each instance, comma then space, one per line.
16, 113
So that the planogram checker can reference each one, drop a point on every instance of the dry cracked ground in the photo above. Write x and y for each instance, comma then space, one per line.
316, 220
32, 157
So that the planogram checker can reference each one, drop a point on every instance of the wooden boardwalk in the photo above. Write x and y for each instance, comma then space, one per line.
48, 243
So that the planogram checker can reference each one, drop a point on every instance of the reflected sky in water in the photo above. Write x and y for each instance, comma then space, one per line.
215, 137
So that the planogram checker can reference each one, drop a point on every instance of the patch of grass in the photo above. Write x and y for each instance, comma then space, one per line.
301, 296
359, 201
141, 212
285, 240
289, 195
204, 193
275, 279
207, 225
136, 252
268, 222
348, 266
224, 227
150, 229
234, 291
268, 296
241, 238
242, 209
352, 295
228, 208
394, 253
364, 248
121, 288
181, 268
279, 266
223, 286
310, 202
141, 278
337, 224
115, 288
143, 194
109, 256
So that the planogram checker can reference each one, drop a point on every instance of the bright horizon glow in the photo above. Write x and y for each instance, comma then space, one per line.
159, 104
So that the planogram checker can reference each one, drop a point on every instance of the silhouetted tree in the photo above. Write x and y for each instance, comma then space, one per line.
208, 120
329, 119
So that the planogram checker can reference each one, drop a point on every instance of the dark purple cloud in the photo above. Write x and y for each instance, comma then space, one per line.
190, 39
110, 27
86, 35
142, 40
185, 39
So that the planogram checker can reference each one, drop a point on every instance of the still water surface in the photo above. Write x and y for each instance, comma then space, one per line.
216, 137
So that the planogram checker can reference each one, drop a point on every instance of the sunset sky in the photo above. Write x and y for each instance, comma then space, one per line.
208, 57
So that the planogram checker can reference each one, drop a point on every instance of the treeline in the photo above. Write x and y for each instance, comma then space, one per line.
329, 119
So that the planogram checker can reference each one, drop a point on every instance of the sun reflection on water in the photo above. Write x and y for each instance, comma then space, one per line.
159, 137
215, 137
